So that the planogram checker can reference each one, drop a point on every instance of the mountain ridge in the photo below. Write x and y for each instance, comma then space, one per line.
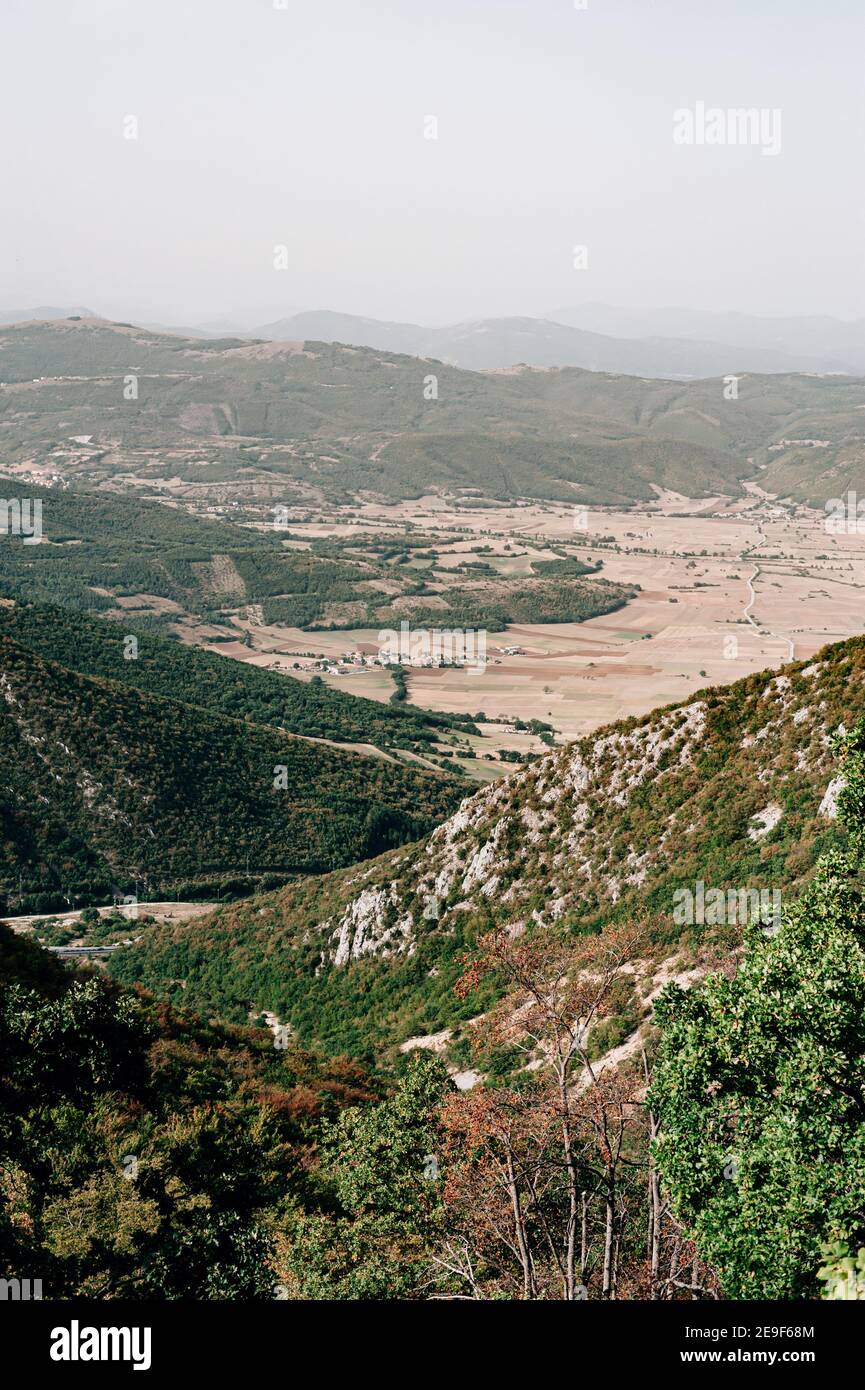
662, 343
822, 334
601, 831
314, 421
493, 344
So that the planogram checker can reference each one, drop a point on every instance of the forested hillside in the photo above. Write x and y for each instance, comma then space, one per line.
144, 1152
727, 789
98, 549
96, 647
723, 1160
97, 545
107, 786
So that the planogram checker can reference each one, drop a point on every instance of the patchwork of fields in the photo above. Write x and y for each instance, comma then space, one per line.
686, 627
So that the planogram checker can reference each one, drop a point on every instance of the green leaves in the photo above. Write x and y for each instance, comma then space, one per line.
381, 1174
143, 1152
760, 1086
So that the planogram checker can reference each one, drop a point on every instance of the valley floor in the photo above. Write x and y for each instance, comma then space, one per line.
727, 588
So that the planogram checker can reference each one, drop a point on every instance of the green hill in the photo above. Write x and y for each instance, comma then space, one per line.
324, 421
107, 786
95, 647
726, 789
98, 548
96, 545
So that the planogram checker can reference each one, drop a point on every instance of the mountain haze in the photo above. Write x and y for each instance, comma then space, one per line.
839, 343
492, 344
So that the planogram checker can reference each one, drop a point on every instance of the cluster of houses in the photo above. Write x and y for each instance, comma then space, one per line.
348, 662
804, 443
336, 666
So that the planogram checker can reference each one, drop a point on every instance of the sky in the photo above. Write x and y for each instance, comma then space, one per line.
305, 125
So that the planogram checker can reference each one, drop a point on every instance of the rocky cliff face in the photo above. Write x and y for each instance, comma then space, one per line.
613, 819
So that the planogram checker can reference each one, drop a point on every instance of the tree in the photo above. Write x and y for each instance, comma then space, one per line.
500, 1193
142, 1153
380, 1196
542, 1154
760, 1083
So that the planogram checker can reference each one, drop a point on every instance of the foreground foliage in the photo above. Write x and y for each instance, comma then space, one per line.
760, 1083
144, 1154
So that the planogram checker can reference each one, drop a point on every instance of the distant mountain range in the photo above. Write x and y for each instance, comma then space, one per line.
677, 344
339, 422
490, 344
815, 335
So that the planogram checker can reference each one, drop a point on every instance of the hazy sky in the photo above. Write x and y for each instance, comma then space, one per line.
304, 127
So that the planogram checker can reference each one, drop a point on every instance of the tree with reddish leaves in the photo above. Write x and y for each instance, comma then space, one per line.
498, 1194
529, 1164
